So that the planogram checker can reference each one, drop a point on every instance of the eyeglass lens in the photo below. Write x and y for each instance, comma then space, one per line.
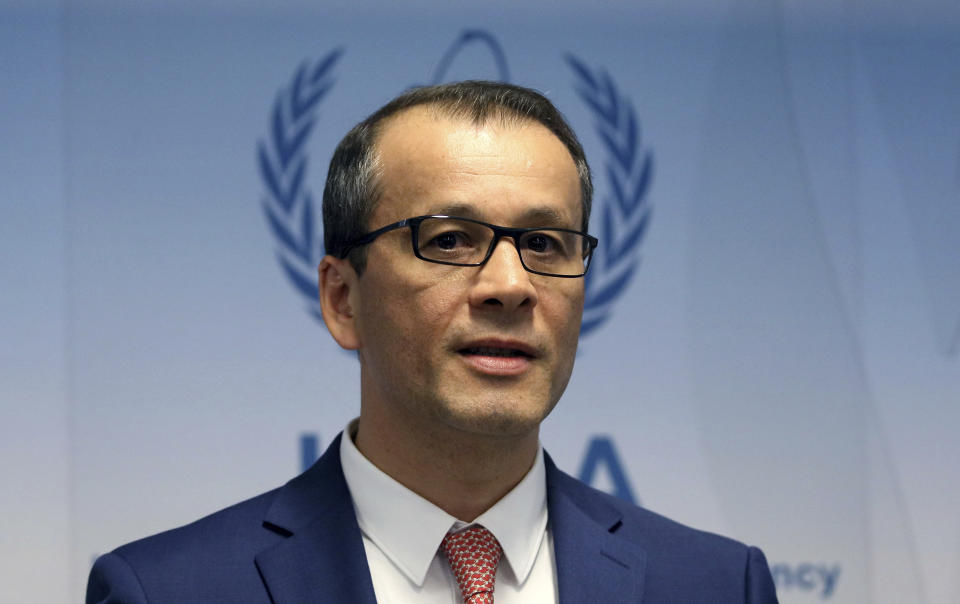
455, 241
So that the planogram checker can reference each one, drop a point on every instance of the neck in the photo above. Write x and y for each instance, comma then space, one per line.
462, 472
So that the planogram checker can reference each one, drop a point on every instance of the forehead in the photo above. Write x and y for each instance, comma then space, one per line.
500, 170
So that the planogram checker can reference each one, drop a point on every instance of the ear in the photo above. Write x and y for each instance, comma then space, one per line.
338, 297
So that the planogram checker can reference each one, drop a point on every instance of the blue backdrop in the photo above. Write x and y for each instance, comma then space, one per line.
771, 348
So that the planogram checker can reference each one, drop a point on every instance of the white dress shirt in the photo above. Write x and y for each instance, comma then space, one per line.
402, 533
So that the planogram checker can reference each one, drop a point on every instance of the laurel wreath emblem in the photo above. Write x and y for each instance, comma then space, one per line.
625, 212
282, 158
290, 212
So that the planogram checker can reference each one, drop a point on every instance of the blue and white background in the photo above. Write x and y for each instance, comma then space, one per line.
780, 276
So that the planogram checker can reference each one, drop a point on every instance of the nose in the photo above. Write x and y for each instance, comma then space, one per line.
503, 282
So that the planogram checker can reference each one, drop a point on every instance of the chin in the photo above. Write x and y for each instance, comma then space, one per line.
495, 418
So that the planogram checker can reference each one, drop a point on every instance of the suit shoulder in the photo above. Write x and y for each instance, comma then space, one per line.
225, 534
648, 527
682, 564
197, 562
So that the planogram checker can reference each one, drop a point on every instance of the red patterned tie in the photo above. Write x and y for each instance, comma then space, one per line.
473, 555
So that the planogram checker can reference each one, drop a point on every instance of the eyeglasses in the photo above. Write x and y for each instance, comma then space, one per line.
553, 252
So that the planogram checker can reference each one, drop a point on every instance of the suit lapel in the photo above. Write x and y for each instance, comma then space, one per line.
593, 564
322, 560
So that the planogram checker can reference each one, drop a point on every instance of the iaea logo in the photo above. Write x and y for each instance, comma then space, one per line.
622, 183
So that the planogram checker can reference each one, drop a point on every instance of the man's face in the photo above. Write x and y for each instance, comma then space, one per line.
486, 350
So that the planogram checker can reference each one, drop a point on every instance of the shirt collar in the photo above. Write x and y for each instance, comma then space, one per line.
409, 529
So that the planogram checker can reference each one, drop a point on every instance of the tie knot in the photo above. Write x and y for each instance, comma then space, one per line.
473, 554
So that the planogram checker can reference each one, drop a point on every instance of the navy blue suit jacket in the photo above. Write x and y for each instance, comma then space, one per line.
301, 543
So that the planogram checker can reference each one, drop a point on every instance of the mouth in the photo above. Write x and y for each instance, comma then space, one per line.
494, 351
498, 358
499, 347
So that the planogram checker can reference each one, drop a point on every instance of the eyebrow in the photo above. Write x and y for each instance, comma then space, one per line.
536, 216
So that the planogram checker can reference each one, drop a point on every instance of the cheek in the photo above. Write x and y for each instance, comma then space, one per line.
564, 305
437, 303
563, 313
409, 316
428, 314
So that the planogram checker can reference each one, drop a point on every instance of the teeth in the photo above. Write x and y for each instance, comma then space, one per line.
494, 352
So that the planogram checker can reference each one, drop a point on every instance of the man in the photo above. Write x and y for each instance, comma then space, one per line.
455, 220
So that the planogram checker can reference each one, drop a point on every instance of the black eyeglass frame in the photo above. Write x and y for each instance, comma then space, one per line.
498, 233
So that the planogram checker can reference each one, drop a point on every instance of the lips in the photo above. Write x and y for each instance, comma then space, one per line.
493, 351
498, 357
499, 347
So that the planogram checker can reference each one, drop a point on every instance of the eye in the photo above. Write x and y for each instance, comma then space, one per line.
541, 243
450, 240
